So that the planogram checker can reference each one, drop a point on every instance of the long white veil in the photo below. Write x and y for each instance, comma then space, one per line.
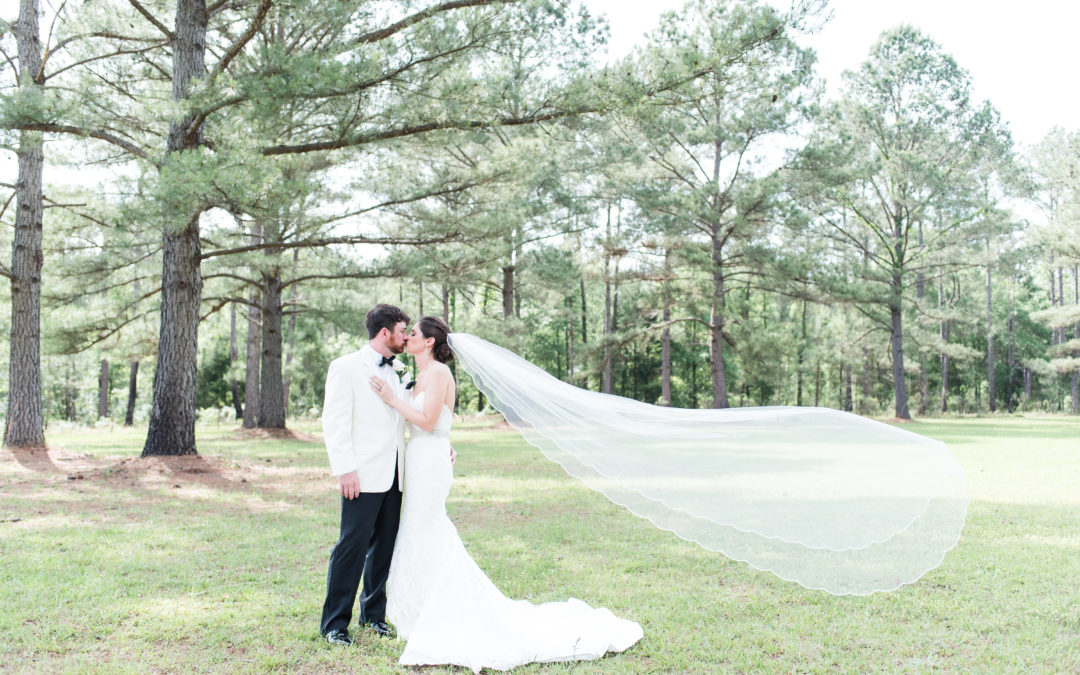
824, 498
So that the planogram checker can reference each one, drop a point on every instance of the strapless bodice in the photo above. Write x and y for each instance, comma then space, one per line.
442, 427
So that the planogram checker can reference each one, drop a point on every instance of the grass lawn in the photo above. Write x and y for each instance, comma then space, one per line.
109, 563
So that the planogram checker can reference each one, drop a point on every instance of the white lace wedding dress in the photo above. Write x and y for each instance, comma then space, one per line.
445, 606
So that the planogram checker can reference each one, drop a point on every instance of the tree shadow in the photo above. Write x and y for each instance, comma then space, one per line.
191, 468
35, 458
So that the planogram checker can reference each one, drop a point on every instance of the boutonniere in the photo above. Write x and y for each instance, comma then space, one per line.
403, 374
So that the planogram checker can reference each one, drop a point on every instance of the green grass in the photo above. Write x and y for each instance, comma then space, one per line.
218, 564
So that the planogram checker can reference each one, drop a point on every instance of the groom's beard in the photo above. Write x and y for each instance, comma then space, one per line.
396, 348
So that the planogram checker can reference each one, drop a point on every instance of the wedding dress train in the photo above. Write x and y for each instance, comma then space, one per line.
447, 609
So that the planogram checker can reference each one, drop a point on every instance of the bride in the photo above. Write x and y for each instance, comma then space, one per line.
439, 600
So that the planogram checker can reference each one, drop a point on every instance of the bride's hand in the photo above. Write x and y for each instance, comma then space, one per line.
380, 387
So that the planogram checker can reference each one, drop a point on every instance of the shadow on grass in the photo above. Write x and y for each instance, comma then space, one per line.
35, 458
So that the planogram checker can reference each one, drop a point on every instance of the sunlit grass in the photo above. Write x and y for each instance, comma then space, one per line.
219, 564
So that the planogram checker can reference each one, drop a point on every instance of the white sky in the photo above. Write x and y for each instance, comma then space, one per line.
1022, 56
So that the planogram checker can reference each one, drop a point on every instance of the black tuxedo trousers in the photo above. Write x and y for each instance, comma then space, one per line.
369, 526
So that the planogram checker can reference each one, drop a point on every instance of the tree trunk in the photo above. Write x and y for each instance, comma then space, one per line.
611, 327
665, 337
924, 376
446, 303
899, 383
944, 332
607, 380
716, 324
103, 390
172, 416
945, 370
24, 425
287, 371
584, 332
864, 382
1012, 365
801, 356
1053, 300
991, 394
508, 291
271, 406
253, 348
1076, 334
234, 383
848, 404
69, 394
251, 362
570, 338
133, 379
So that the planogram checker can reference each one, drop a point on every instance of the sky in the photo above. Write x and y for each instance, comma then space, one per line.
1021, 56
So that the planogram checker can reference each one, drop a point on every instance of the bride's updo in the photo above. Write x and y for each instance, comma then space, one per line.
434, 327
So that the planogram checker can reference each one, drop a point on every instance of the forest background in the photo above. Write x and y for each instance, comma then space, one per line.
698, 224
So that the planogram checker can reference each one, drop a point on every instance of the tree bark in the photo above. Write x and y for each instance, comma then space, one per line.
801, 356
103, 390
172, 416
251, 361
847, 388
234, 384
924, 376
1012, 365
133, 378
24, 424
716, 324
286, 375
607, 379
570, 338
69, 394
271, 406
584, 332
1076, 334
991, 393
944, 328
899, 382
945, 369
508, 291
665, 337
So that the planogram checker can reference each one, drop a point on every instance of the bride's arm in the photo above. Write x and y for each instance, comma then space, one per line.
436, 386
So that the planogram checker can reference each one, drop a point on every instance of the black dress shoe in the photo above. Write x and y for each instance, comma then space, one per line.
339, 636
381, 628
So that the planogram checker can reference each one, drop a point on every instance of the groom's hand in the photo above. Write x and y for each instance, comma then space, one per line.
350, 485
453, 456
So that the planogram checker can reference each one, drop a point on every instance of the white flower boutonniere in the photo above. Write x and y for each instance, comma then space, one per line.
403, 373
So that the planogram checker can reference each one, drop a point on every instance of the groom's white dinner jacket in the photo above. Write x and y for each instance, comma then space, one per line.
362, 433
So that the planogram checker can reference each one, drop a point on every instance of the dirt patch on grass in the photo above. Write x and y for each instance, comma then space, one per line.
277, 434
33, 458
205, 470
202, 469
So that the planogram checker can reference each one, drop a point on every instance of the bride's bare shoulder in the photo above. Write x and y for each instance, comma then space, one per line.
441, 369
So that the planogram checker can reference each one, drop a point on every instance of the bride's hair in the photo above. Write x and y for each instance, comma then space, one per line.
434, 327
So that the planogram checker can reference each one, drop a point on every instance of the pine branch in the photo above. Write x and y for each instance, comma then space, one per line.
330, 241
108, 137
150, 17
411, 20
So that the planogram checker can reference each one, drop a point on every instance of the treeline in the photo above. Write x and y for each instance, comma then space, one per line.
695, 225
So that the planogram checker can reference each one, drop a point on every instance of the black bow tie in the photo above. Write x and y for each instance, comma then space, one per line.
386, 360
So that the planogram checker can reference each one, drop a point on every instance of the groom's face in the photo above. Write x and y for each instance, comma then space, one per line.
397, 338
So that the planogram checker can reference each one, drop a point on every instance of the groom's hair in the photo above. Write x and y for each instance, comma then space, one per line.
383, 316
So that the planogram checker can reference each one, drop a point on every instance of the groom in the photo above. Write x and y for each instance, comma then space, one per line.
365, 441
